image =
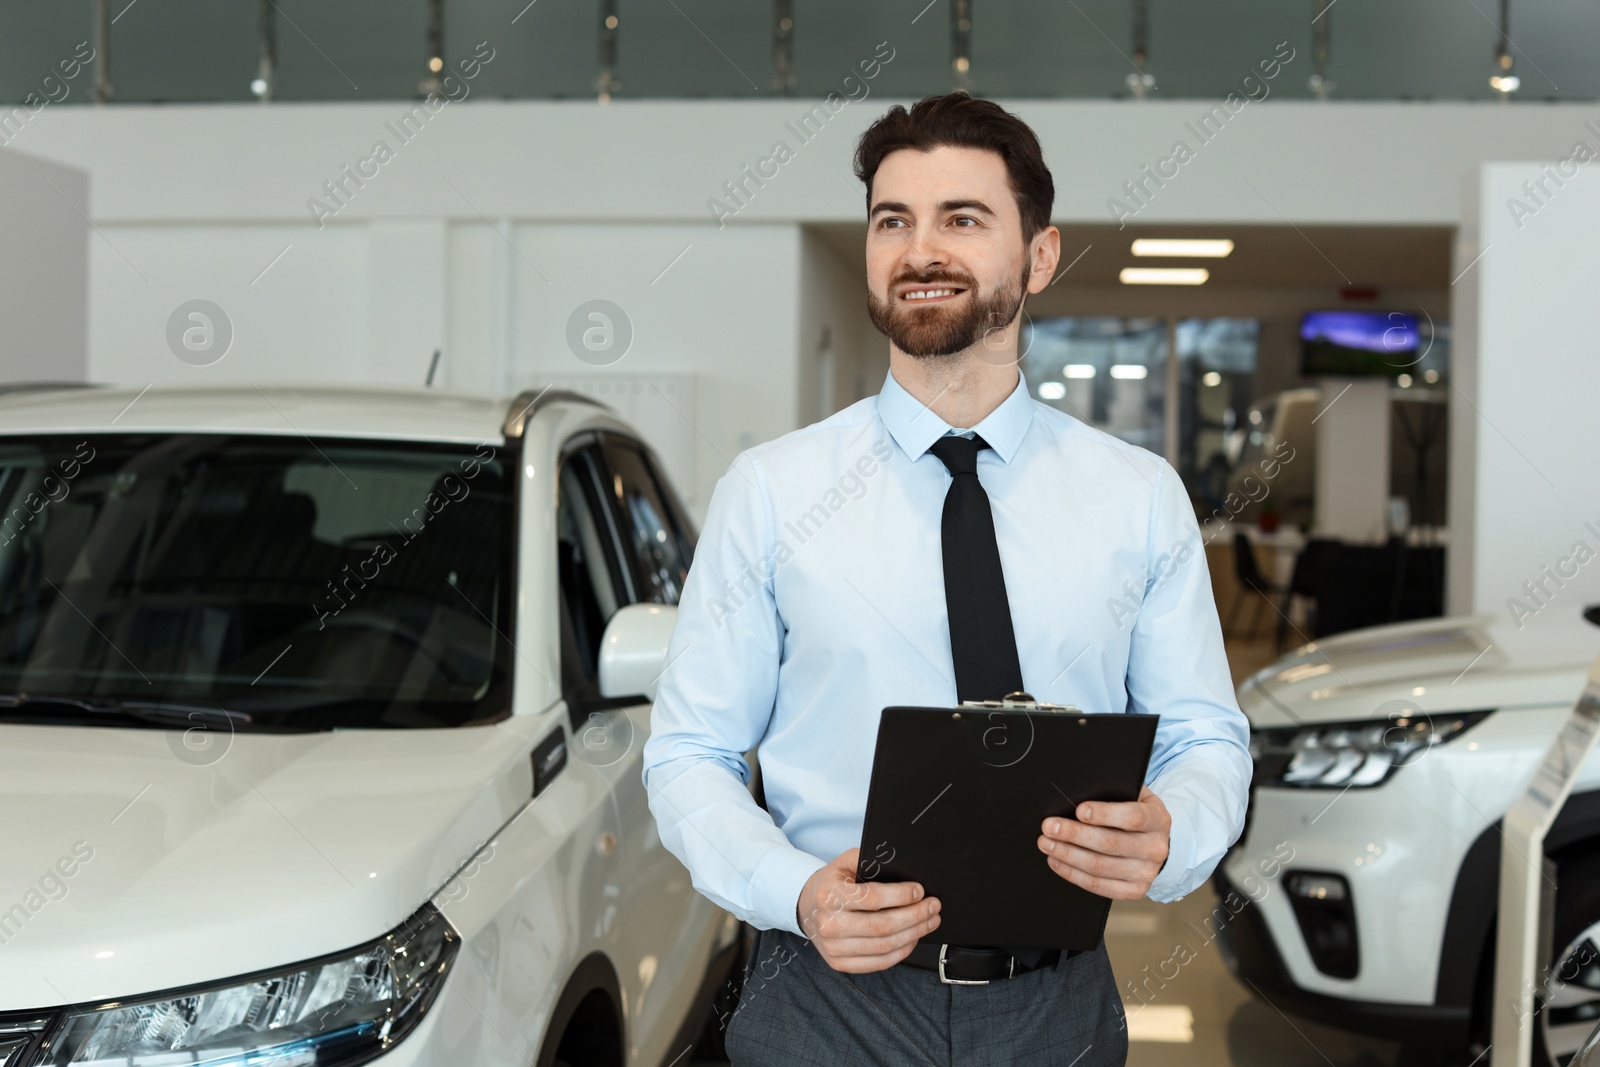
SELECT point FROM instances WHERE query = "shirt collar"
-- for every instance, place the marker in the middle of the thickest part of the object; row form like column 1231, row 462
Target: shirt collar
column 914, row 426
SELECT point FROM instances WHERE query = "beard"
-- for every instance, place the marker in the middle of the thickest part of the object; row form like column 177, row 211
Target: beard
column 940, row 330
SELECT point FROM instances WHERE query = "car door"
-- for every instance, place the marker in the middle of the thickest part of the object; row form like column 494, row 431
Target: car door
column 657, row 543
column 607, row 495
column 593, row 583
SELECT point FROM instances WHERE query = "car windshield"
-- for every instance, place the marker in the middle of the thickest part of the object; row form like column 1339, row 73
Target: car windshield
column 289, row 583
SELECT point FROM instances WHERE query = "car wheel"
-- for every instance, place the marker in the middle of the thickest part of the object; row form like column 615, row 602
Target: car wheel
column 1571, row 1006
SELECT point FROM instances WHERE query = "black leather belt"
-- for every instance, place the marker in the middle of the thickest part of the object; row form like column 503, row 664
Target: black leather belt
column 980, row 966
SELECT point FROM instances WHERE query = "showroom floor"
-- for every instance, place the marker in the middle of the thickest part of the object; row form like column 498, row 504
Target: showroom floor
column 1205, row 1017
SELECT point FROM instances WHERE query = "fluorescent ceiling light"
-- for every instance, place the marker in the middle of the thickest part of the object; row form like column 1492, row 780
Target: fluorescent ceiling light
column 1165, row 246
column 1164, row 275
column 1078, row 370
column 1129, row 370
column 1052, row 390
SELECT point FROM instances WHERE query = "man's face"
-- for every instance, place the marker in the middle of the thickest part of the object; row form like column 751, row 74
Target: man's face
column 946, row 263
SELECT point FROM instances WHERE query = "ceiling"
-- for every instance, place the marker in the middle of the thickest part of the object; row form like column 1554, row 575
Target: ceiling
column 205, row 50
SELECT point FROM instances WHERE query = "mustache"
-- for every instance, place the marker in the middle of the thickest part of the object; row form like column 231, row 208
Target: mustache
column 962, row 281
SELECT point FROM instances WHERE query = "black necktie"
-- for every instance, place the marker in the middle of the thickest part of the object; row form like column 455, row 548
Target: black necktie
column 982, row 642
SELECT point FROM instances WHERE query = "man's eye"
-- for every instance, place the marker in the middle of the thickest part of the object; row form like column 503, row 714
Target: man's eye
column 959, row 219
column 892, row 223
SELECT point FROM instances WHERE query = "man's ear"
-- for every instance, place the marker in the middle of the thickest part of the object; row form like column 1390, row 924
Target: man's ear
column 1046, row 251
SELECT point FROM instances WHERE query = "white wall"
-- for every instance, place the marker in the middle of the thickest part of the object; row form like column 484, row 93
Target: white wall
column 444, row 245
column 718, row 307
column 44, row 250
column 1525, row 481
column 842, row 356
column 370, row 301
column 648, row 161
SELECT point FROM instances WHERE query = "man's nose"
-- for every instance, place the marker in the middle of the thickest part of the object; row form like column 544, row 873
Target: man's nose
column 925, row 252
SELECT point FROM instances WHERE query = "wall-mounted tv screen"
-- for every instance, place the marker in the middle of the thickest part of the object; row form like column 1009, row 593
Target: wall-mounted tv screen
column 1357, row 343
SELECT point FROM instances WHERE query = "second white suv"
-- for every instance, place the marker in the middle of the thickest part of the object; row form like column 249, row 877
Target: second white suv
column 1385, row 760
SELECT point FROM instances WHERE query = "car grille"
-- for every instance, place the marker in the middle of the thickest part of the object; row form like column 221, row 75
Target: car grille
column 20, row 1034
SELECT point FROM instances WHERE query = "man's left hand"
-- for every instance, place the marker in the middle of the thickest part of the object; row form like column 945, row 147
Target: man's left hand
column 1114, row 850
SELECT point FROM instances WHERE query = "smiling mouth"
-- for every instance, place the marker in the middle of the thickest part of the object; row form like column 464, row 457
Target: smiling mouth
column 930, row 294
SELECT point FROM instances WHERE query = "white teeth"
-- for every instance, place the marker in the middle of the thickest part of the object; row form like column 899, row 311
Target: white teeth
column 924, row 294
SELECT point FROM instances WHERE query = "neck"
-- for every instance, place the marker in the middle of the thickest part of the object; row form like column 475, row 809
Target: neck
column 961, row 388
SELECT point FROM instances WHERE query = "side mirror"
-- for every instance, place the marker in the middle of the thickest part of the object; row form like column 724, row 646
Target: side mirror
column 633, row 650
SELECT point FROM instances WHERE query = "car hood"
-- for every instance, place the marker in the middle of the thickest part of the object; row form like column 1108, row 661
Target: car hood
column 1438, row 665
column 285, row 848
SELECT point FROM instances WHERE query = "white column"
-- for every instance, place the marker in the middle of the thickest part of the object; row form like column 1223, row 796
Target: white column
column 44, row 270
column 1353, row 459
column 1525, row 397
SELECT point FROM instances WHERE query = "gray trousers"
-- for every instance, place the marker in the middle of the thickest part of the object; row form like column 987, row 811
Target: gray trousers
column 796, row 1011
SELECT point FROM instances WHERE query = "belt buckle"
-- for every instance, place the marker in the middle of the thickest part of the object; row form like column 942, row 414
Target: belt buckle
column 1011, row 968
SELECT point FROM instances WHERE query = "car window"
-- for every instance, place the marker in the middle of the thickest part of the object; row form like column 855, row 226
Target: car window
column 687, row 534
column 592, row 583
column 305, row 585
column 658, row 548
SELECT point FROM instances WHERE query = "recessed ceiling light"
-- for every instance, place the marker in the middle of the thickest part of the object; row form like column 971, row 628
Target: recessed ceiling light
column 1212, row 378
column 1162, row 246
column 1134, row 371
column 1078, row 370
column 1164, row 275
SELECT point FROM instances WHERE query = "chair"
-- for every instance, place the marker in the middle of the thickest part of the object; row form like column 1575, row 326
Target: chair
column 1306, row 581
column 1251, row 580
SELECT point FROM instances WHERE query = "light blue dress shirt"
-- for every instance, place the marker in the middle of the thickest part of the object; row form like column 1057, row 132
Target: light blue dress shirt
column 816, row 599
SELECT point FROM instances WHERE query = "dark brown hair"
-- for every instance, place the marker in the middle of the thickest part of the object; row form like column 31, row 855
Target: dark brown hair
column 956, row 120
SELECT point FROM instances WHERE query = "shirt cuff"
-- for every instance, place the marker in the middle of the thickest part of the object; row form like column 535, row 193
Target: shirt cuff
column 1169, row 885
column 775, row 887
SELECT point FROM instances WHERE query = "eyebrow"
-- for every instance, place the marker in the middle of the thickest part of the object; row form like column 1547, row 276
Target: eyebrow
column 884, row 206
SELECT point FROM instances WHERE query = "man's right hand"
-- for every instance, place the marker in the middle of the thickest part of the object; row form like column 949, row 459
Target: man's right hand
column 860, row 927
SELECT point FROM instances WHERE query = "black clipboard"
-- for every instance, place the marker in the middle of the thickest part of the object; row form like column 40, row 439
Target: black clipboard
column 956, row 801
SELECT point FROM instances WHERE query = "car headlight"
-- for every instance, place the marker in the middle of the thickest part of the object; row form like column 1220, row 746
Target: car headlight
column 341, row 1010
column 1351, row 754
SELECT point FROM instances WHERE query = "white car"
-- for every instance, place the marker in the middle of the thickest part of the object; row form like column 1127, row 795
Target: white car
column 1385, row 759
column 320, row 724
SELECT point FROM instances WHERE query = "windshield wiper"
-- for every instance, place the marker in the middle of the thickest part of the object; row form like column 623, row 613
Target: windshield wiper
column 22, row 707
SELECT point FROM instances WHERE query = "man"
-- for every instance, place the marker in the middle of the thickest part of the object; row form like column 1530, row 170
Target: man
column 950, row 538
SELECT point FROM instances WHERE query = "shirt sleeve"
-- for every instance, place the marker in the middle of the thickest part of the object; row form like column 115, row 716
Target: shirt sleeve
column 1177, row 668
column 713, row 705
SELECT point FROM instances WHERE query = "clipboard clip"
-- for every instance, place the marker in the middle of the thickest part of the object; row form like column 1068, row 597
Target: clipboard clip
column 1018, row 701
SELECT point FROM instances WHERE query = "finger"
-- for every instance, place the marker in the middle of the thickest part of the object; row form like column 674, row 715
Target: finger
column 829, row 923
column 842, row 889
column 878, row 896
column 1135, row 815
column 880, row 946
column 1131, row 845
column 865, row 924
column 1111, row 888
column 869, row 964
column 848, row 860
column 1098, row 863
